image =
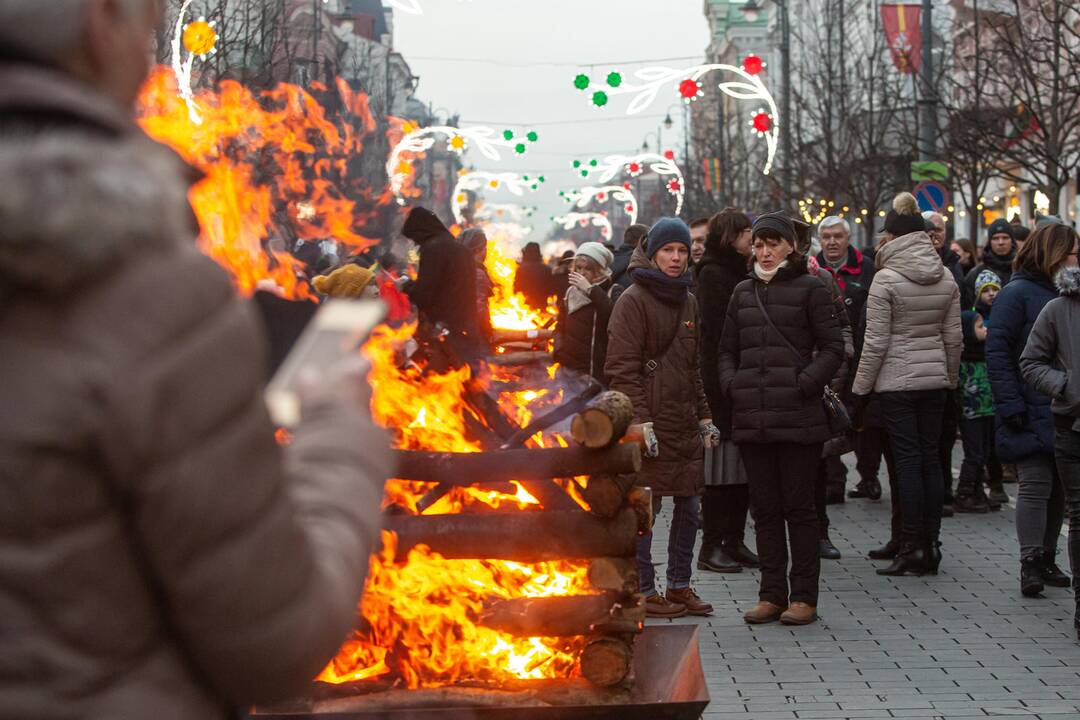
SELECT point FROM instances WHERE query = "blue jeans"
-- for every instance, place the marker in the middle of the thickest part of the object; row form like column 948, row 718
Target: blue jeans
column 681, row 539
column 913, row 421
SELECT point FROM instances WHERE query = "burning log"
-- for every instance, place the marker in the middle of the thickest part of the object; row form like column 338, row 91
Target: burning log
column 607, row 494
column 614, row 573
column 555, row 416
column 503, row 337
column 521, row 536
column 640, row 499
column 604, row 421
column 607, row 661
column 561, row 616
column 520, row 358
column 544, row 464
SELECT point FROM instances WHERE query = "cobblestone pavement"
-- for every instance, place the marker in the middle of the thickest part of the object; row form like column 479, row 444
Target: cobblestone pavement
column 963, row 644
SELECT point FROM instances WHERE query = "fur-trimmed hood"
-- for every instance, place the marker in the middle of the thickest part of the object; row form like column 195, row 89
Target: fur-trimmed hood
column 1067, row 281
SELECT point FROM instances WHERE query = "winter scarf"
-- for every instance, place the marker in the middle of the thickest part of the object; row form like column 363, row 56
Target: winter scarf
column 668, row 290
column 1000, row 264
column 767, row 275
column 1067, row 280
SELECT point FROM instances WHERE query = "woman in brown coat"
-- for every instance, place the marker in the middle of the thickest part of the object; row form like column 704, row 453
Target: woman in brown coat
column 653, row 358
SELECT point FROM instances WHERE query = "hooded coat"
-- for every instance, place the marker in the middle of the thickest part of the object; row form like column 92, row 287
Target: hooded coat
column 774, row 396
column 913, row 336
column 445, row 287
column 161, row 556
column 1051, row 359
column 534, row 278
column 652, row 357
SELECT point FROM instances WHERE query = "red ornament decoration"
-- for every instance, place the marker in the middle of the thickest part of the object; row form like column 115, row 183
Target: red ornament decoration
column 634, row 169
column 627, row 185
column 601, row 196
column 629, row 207
column 752, row 64
column 673, row 186
column 690, row 90
column 762, row 122
column 669, row 154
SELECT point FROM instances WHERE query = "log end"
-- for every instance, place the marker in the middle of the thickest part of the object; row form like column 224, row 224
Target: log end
column 607, row 662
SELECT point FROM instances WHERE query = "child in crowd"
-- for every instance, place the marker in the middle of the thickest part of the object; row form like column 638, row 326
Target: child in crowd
column 977, row 414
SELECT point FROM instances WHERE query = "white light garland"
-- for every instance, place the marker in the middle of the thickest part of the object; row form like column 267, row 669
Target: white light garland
column 584, row 219
column 634, row 165
column 514, row 232
column 582, row 197
column 503, row 212
column 480, row 180
column 182, row 68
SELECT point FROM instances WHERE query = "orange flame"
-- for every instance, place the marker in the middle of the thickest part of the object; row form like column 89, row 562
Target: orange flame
column 508, row 309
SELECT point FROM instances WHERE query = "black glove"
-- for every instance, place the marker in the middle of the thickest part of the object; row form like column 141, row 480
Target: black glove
column 1016, row 423
column 858, row 413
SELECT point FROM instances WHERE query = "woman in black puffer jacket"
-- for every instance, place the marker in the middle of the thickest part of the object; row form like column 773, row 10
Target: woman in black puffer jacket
column 778, row 419
column 727, row 495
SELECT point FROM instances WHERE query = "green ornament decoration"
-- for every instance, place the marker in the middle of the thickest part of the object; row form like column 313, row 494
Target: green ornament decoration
column 508, row 134
column 581, row 82
column 520, row 148
column 614, row 79
column 532, row 136
column 600, row 98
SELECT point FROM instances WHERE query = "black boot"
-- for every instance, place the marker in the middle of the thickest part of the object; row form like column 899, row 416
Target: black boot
column 741, row 554
column 910, row 560
column 970, row 500
column 888, row 551
column 1052, row 575
column 827, row 550
column 933, row 557
column 1031, row 581
column 714, row 559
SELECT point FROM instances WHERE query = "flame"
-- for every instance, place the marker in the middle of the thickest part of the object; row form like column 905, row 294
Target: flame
column 274, row 164
column 508, row 309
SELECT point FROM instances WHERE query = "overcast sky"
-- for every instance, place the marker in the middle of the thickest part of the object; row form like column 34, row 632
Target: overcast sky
column 511, row 64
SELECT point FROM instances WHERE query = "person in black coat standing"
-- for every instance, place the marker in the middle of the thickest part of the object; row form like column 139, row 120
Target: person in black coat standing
column 781, row 345
column 534, row 278
column 620, row 266
column 445, row 287
column 727, row 495
column 998, row 255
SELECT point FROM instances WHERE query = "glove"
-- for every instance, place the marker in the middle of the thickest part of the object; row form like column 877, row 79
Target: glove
column 709, row 434
column 1016, row 423
column 860, row 403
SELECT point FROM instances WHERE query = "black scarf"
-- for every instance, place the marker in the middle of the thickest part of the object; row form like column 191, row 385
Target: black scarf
column 668, row 290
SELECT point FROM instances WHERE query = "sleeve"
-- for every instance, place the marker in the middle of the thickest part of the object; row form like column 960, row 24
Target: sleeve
column 1003, row 347
column 712, row 309
column 877, row 337
column 423, row 291
column 259, row 556
column 967, row 287
column 828, row 340
column 625, row 364
column 728, row 358
column 952, row 335
column 1037, row 359
column 703, row 410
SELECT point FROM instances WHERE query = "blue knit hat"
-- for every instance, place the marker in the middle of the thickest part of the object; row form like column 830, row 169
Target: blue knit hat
column 665, row 232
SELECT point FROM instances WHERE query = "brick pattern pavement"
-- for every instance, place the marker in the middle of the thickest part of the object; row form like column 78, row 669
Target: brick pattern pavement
column 960, row 645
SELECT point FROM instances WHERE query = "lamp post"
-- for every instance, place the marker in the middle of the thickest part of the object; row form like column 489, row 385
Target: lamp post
column 750, row 11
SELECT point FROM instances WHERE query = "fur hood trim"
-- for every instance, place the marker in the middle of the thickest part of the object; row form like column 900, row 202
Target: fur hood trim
column 1067, row 281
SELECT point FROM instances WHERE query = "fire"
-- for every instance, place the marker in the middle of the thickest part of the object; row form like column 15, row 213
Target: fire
column 508, row 309
column 274, row 165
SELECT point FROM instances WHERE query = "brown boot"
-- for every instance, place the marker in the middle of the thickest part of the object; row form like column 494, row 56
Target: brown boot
column 689, row 598
column 799, row 613
column 764, row 612
column 658, row 606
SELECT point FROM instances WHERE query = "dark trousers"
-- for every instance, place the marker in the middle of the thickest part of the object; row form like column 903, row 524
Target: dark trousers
column 723, row 515
column 821, row 490
column 950, row 422
column 782, row 477
column 870, row 444
column 1067, row 455
column 977, row 435
column 914, row 427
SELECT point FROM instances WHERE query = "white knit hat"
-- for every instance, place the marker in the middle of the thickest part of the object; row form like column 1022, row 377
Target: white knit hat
column 598, row 253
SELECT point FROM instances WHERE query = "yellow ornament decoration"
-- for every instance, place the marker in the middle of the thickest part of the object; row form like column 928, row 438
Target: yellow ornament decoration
column 200, row 37
column 407, row 127
column 457, row 142
column 405, row 167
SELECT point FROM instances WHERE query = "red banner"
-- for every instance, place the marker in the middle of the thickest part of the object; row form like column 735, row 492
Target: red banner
column 904, row 35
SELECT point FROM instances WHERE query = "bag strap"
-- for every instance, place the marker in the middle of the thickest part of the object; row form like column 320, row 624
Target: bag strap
column 761, row 306
column 652, row 365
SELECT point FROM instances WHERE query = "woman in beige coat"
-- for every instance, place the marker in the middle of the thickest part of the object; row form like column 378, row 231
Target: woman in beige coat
column 911, row 357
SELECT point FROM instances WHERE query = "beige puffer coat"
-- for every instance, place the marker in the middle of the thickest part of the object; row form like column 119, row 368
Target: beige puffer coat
column 913, row 335
column 160, row 556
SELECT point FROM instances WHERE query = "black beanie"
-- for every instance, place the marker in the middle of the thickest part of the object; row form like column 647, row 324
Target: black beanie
column 779, row 223
column 904, row 218
column 1001, row 225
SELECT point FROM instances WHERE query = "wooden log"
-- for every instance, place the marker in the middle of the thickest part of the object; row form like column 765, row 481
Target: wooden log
column 606, row 494
column 644, row 436
column 522, row 464
column 555, row 416
column 640, row 499
column 604, row 421
column 443, row 697
column 607, row 661
column 558, row 616
column 614, row 573
column 502, row 337
column 520, row 358
column 519, row 536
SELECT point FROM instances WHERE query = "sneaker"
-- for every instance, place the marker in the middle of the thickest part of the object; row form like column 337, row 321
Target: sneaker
column 686, row 597
column 658, row 606
column 799, row 613
column 714, row 559
column 763, row 612
column 742, row 554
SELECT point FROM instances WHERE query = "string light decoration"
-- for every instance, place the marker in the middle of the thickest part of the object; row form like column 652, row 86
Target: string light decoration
column 634, row 165
column 581, row 198
column 584, row 219
column 478, row 180
column 814, row 211
column 416, row 141
column 495, row 213
column 199, row 38
column 688, row 85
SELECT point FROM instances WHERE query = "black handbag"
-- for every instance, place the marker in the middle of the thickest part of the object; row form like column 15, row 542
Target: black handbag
column 835, row 413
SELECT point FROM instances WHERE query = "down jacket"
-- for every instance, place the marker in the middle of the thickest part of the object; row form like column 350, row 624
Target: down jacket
column 1015, row 310
column 1051, row 359
column 717, row 277
column 644, row 330
column 913, row 335
column 775, row 397
column 161, row 557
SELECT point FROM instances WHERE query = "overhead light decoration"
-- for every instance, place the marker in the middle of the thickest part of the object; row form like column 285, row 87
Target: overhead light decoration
column 585, row 219
column 814, row 211
column 634, row 165
column 688, row 85
column 416, row 141
column 199, row 38
column 478, row 180
column 581, row 198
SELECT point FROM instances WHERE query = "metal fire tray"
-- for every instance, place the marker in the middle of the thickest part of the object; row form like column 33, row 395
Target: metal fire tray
column 669, row 685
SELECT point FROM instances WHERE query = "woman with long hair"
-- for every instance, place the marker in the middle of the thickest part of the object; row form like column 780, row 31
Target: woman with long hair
column 726, row 502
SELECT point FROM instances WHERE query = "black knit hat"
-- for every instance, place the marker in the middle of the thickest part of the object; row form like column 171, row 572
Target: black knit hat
column 904, row 217
column 999, row 226
column 779, row 223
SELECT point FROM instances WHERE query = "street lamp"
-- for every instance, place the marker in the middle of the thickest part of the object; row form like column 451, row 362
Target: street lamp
column 750, row 11
column 645, row 142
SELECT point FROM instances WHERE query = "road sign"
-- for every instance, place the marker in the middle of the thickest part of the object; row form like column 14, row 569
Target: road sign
column 932, row 196
column 931, row 170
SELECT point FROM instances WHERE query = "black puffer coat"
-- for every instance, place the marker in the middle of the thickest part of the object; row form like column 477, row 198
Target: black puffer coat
column 773, row 399
column 717, row 276
column 581, row 337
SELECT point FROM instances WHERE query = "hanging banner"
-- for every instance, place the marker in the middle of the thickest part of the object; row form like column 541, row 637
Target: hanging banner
column 904, row 35
column 711, row 166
